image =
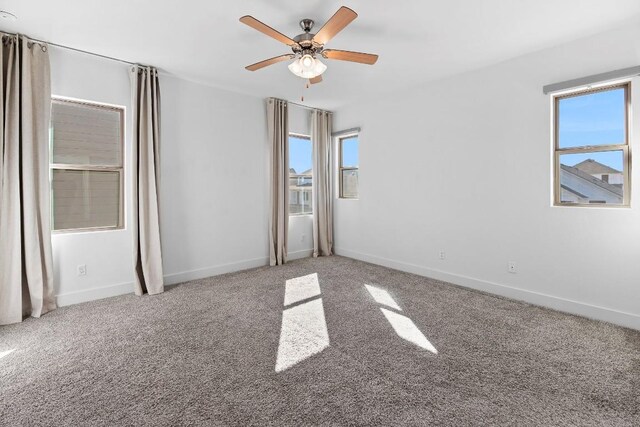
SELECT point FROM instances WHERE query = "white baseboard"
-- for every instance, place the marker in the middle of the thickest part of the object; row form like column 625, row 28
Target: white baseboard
column 305, row 253
column 93, row 294
column 201, row 273
column 628, row 320
column 170, row 279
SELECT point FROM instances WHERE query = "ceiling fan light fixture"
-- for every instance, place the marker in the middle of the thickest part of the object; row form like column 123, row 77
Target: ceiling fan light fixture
column 308, row 47
column 307, row 67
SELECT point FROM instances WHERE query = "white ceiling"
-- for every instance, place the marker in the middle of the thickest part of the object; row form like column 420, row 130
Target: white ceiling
column 417, row 40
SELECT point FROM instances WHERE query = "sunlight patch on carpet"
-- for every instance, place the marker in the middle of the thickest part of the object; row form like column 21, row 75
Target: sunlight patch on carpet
column 301, row 288
column 303, row 334
column 6, row 353
column 382, row 297
column 406, row 329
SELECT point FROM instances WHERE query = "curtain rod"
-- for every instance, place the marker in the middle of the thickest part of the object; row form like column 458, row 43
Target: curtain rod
column 72, row 48
column 86, row 52
column 301, row 105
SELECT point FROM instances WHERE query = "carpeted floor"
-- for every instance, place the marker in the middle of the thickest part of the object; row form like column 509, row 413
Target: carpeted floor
column 205, row 353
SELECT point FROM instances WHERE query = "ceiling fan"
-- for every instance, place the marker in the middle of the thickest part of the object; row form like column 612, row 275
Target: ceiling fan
column 307, row 47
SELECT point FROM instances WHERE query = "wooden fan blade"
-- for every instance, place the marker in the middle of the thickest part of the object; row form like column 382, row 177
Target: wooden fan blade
column 270, row 61
column 265, row 29
column 315, row 80
column 335, row 24
column 345, row 55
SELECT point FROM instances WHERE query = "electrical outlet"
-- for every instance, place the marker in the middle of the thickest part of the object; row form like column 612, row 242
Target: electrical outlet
column 82, row 270
column 512, row 268
column 442, row 255
column 303, row 237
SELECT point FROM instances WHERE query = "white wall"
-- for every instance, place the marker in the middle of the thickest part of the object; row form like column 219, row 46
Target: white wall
column 215, row 194
column 464, row 165
column 214, row 183
column 214, row 199
column 107, row 254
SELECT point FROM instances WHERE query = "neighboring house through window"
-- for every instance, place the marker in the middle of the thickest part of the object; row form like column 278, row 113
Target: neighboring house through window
column 348, row 165
column 86, row 166
column 591, row 147
column 300, row 175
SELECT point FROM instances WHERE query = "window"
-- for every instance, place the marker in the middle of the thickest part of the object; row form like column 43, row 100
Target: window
column 348, row 166
column 591, row 147
column 86, row 166
column 300, row 175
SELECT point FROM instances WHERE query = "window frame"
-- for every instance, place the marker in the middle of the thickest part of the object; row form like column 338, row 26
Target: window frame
column 624, row 147
column 89, row 168
column 307, row 137
column 341, row 137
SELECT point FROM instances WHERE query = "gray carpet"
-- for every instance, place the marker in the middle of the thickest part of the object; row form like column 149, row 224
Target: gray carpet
column 204, row 353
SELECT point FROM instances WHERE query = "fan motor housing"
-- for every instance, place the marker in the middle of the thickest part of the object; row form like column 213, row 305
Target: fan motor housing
column 305, row 40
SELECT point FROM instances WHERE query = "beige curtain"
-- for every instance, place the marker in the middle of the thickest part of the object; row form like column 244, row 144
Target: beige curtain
column 278, row 129
column 26, row 265
column 322, row 194
column 147, row 252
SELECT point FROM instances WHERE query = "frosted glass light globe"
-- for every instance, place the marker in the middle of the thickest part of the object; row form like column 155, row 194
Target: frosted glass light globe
column 307, row 62
column 307, row 67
